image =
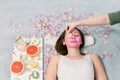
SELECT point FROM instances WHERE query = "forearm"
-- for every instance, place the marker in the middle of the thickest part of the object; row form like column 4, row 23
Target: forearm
column 94, row 21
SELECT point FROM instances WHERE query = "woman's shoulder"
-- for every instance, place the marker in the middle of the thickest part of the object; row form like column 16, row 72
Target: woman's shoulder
column 93, row 55
column 55, row 58
column 95, row 58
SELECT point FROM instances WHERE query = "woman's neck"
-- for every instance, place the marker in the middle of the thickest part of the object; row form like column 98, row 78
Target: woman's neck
column 73, row 52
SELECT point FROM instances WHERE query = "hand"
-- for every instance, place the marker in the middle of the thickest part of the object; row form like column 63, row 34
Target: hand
column 70, row 25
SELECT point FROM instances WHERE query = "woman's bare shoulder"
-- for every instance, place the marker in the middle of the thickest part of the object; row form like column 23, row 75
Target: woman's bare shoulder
column 95, row 58
column 55, row 57
column 93, row 55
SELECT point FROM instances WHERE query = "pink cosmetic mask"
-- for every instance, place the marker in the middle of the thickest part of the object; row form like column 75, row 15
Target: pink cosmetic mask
column 73, row 39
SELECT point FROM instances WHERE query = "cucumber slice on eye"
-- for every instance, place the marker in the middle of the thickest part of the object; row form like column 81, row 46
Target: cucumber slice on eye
column 69, row 35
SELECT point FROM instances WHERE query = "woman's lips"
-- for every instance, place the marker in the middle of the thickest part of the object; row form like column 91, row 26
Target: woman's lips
column 73, row 41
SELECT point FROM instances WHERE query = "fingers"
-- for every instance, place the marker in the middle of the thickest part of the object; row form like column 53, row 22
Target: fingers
column 69, row 26
column 67, row 29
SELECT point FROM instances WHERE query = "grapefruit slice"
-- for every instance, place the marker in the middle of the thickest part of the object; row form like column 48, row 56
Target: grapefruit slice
column 17, row 67
column 32, row 50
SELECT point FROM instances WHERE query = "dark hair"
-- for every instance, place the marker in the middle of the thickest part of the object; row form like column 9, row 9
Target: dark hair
column 62, row 49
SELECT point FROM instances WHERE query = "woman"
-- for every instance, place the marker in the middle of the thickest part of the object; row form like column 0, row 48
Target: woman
column 70, row 63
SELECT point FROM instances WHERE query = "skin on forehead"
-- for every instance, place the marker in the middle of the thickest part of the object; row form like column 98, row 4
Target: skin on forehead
column 73, row 30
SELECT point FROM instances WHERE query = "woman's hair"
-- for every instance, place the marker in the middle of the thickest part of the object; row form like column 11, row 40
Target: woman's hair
column 62, row 49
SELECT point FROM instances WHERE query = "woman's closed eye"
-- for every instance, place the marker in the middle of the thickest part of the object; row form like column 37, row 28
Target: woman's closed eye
column 76, row 34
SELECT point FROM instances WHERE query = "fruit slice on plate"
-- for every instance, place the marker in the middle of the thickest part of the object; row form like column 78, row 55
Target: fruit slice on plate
column 32, row 50
column 33, row 64
column 35, row 74
column 17, row 67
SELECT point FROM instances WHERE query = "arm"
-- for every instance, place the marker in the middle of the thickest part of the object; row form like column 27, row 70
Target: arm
column 93, row 21
column 52, row 68
column 100, row 73
column 110, row 18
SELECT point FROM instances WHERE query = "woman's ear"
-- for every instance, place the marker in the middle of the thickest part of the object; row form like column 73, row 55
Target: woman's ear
column 63, row 42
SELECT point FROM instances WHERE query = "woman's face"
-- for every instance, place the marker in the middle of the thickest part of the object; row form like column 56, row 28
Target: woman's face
column 73, row 38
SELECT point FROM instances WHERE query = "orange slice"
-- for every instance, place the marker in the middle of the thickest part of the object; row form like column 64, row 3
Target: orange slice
column 32, row 50
column 17, row 67
column 33, row 64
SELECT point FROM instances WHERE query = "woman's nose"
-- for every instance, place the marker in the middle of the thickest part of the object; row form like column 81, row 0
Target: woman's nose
column 73, row 36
